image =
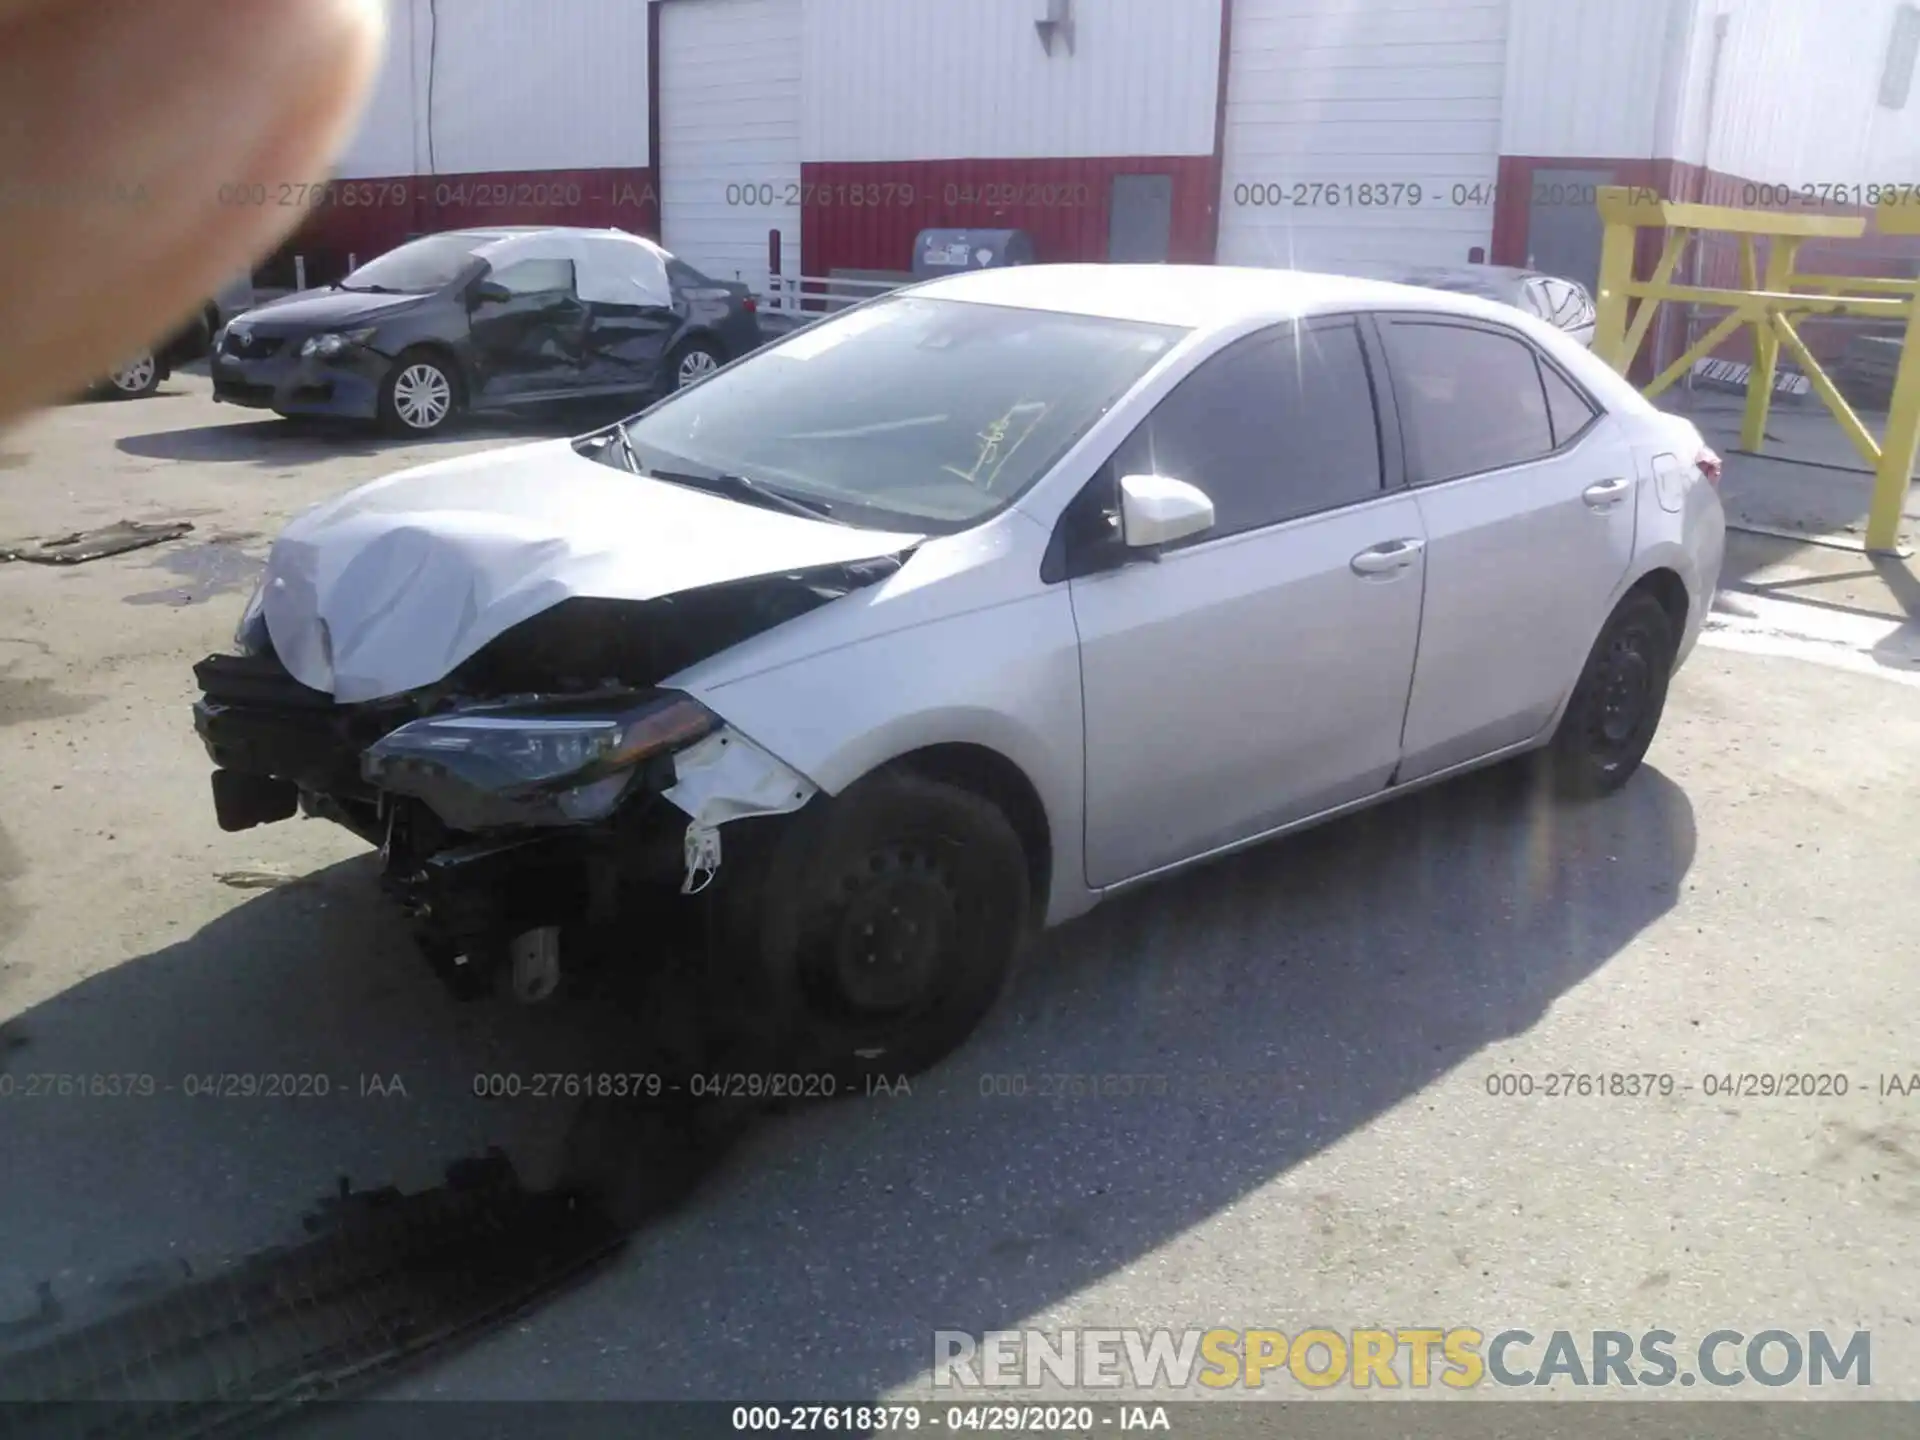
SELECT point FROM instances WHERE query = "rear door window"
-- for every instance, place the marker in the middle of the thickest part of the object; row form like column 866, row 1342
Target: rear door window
column 1471, row 397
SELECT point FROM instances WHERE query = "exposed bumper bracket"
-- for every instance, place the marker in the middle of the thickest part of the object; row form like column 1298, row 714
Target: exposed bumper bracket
column 728, row 777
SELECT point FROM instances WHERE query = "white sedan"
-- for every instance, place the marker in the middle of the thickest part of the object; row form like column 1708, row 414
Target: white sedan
column 934, row 624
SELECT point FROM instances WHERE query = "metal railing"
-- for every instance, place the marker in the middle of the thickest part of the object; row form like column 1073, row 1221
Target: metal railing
column 811, row 296
column 1773, row 300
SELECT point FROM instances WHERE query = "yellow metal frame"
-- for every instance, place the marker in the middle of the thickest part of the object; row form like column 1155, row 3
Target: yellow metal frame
column 1769, row 300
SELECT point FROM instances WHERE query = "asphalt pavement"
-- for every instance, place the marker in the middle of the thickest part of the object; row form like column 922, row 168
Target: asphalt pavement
column 1305, row 1054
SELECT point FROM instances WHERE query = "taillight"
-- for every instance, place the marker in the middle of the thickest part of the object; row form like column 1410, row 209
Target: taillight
column 752, row 306
column 1709, row 464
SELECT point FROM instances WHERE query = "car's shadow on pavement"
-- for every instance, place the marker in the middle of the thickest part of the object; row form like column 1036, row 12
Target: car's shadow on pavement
column 280, row 442
column 1238, row 1020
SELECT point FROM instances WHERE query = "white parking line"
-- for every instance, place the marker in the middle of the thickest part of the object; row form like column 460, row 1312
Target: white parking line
column 1840, row 638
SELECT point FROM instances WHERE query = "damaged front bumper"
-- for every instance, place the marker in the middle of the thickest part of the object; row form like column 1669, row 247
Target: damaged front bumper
column 290, row 383
column 494, row 819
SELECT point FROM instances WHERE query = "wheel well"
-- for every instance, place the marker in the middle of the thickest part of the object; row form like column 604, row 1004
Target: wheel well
column 996, row 779
column 445, row 355
column 1671, row 591
column 702, row 337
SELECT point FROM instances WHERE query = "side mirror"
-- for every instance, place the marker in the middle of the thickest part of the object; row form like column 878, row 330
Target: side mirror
column 1157, row 510
column 491, row 292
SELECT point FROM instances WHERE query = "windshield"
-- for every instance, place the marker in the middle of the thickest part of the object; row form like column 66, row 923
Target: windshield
column 908, row 412
column 419, row 267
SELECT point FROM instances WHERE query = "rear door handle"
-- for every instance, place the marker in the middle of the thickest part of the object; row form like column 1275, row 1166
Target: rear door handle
column 1605, row 493
column 1387, row 556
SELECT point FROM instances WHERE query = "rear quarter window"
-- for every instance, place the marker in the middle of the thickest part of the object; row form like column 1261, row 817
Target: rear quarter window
column 1569, row 410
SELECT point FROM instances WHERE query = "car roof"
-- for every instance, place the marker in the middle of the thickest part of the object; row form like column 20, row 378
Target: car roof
column 1378, row 268
column 1196, row 297
column 501, row 232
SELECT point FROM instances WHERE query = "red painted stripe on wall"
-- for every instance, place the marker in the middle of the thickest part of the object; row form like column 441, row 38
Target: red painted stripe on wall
column 863, row 215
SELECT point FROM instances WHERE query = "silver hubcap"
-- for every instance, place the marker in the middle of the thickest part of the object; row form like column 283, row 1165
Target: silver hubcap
column 136, row 375
column 696, row 363
column 422, row 396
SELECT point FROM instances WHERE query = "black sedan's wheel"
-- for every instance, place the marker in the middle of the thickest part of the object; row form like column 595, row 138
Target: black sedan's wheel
column 695, row 360
column 1617, row 702
column 883, row 931
column 420, row 394
column 140, row 376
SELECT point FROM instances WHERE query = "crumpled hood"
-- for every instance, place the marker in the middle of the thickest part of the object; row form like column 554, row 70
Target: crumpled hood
column 392, row 586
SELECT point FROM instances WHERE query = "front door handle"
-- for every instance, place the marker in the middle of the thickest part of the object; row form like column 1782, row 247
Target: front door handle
column 1387, row 556
column 1605, row 493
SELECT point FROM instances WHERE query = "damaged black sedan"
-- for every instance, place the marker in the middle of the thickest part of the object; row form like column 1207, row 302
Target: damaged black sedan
column 487, row 319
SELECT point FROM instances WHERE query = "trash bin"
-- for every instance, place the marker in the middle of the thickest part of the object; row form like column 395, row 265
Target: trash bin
column 947, row 252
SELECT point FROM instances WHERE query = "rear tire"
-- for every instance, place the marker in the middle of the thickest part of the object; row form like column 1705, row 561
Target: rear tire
column 1617, row 702
column 878, row 932
column 419, row 395
column 691, row 361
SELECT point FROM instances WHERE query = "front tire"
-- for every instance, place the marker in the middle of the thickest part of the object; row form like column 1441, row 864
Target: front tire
column 1617, row 702
column 879, row 933
column 136, row 379
column 419, row 395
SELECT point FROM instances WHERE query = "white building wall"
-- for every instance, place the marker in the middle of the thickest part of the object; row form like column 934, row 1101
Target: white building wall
column 539, row 85
column 1794, row 100
column 507, row 85
column 1585, row 80
column 386, row 142
column 1388, row 94
column 1705, row 78
column 1797, row 102
column 889, row 80
column 730, row 102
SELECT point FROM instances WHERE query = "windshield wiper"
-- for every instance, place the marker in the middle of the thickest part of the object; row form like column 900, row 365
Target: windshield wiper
column 739, row 487
column 627, row 454
column 367, row 289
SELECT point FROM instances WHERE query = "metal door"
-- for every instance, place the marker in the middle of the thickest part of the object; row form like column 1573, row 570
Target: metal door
column 1140, row 219
column 1563, row 224
column 534, row 339
column 1526, row 542
column 1240, row 685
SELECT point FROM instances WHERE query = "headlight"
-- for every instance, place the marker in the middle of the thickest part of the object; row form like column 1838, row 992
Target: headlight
column 491, row 766
column 250, row 635
column 333, row 342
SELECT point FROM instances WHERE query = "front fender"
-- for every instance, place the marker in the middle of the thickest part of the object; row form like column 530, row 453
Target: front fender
column 397, row 334
column 1006, row 678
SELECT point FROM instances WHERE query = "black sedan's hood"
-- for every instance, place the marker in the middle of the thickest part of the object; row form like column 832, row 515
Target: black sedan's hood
column 328, row 309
